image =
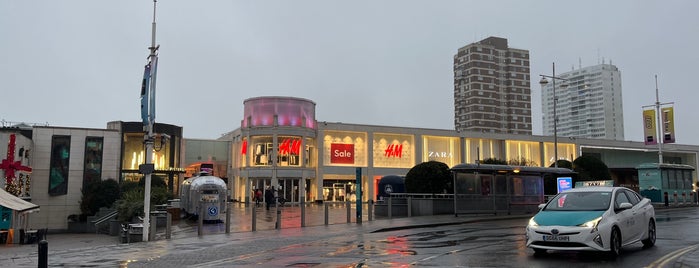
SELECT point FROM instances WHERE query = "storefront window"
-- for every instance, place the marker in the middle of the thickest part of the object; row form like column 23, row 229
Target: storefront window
column 481, row 149
column 394, row 150
column 261, row 154
column 566, row 151
column 441, row 149
column 134, row 152
column 310, row 153
column 288, row 152
column 523, row 153
column 343, row 148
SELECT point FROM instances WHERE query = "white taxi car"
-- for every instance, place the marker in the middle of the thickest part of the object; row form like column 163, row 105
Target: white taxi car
column 592, row 219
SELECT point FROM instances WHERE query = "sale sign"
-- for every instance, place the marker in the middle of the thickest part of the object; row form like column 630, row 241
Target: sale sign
column 341, row 153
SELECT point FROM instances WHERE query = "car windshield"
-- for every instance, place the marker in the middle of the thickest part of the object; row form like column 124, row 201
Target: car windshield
column 578, row 201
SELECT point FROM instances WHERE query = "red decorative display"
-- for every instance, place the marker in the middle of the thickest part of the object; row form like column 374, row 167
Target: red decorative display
column 244, row 149
column 341, row 153
column 394, row 150
column 9, row 165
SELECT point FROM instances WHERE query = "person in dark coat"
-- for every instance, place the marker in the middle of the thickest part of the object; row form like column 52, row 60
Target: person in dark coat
column 269, row 197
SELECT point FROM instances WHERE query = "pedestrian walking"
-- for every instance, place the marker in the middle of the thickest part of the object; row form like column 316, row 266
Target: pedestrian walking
column 258, row 197
column 269, row 197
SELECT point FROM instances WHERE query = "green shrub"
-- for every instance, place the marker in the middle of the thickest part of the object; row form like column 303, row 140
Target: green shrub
column 429, row 177
column 131, row 203
column 98, row 194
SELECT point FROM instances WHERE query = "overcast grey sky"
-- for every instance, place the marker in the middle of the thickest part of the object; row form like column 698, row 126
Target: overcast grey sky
column 80, row 63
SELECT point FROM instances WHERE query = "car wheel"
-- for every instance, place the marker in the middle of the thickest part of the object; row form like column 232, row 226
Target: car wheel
column 614, row 243
column 650, row 241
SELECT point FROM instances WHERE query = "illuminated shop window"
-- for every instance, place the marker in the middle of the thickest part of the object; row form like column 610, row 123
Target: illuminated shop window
column 344, row 148
column 523, row 153
column 288, row 151
column 134, row 152
column 481, row 149
column 441, row 149
column 393, row 150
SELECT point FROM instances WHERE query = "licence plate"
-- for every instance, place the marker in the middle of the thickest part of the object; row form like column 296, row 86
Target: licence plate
column 557, row 238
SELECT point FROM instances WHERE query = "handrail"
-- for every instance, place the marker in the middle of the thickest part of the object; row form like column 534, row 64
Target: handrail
column 105, row 218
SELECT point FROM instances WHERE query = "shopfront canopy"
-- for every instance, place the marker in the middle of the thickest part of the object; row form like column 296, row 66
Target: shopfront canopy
column 15, row 203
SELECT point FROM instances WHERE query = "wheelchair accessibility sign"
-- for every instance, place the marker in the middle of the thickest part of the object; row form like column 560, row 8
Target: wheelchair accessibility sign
column 213, row 211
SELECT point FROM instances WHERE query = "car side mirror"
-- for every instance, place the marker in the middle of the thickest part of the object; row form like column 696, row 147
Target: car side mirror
column 624, row 206
column 541, row 206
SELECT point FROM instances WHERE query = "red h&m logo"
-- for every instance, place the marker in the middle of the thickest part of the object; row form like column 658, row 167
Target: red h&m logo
column 341, row 153
column 289, row 146
column 394, row 150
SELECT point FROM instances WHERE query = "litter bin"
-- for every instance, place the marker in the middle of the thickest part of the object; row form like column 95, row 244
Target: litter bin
column 135, row 232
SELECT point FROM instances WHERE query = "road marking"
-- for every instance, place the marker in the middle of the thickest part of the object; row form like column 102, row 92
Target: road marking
column 670, row 257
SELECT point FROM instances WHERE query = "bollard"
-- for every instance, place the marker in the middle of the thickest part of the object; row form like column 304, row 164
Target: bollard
column 691, row 198
column 200, row 225
column 278, row 225
column 684, row 198
column 303, row 213
column 168, row 226
column 370, row 209
column 152, row 228
column 254, row 218
column 667, row 202
column 228, row 217
column 349, row 211
column 410, row 206
column 674, row 197
column 326, row 213
column 43, row 254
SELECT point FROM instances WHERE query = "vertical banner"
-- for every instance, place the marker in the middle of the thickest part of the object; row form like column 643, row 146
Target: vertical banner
column 668, row 125
column 649, row 130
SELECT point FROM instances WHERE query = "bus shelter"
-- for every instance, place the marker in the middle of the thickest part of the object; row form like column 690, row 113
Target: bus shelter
column 485, row 188
column 674, row 181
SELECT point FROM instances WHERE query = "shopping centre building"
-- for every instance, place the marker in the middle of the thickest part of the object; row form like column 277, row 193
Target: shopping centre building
column 280, row 143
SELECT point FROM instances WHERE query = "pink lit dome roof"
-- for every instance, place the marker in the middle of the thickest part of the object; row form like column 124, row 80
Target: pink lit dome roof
column 289, row 111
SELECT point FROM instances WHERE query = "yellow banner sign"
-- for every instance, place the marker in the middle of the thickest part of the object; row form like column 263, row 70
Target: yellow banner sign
column 649, row 131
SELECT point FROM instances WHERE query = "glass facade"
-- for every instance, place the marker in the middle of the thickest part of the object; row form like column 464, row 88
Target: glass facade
column 60, row 163
column 93, row 159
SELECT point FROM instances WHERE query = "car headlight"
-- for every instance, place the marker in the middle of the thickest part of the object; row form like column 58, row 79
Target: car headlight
column 592, row 223
column 533, row 223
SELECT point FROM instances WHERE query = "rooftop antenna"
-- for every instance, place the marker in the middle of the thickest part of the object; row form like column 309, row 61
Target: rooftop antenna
column 148, row 116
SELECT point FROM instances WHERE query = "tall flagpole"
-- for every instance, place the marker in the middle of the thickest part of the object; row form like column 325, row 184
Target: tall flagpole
column 153, row 58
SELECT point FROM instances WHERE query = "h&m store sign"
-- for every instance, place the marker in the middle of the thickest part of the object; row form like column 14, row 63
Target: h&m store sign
column 342, row 153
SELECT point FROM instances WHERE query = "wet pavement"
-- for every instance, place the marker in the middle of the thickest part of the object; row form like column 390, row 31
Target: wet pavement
column 240, row 247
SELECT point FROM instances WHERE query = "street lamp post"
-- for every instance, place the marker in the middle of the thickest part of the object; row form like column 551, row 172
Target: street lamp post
column 543, row 83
